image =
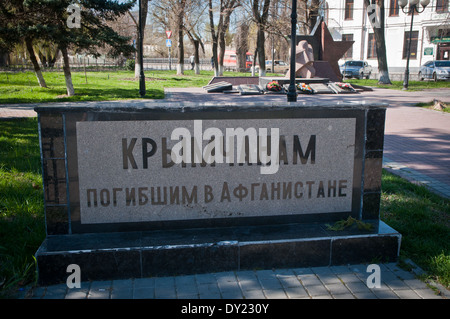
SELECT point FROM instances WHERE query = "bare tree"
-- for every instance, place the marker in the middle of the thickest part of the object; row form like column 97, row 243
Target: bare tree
column 144, row 9
column 171, row 15
column 260, row 16
column 180, row 10
column 226, row 8
column 192, row 20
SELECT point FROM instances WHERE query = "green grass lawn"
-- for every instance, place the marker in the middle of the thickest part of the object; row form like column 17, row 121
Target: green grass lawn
column 421, row 217
column 429, row 105
column 21, row 202
column 22, row 87
column 398, row 85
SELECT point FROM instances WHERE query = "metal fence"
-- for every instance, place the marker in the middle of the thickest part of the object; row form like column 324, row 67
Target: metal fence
column 102, row 64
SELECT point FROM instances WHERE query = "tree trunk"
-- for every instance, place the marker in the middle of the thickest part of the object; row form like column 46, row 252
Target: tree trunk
column 261, row 52
column 180, row 16
column 196, row 56
column 255, row 56
column 67, row 74
column 214, row 40
column 383, row 72
column 261, row 20
column 180, row 64
column 378, row 30
column 215, row 59
column 221, row 52
column 37, row 69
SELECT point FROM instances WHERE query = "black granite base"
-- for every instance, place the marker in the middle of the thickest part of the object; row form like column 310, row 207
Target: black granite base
column 162, row 253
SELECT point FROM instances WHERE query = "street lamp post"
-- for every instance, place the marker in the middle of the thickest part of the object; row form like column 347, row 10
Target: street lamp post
column 292, row 91
column 141, row 55
column 411, row 9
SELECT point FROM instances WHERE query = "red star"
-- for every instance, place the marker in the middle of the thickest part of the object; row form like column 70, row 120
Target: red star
column 332, row 51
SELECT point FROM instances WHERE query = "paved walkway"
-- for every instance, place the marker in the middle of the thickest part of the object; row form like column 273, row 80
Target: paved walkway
column 341, row 282
column 417, row 147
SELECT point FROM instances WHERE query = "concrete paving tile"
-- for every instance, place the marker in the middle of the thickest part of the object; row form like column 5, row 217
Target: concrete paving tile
column 350, row 277
column 317, row 290
column 323, row 297
column 253, row 294
column 186, row 286
column 309, row 280
column 329, row 278
column 365, row 295
column 228, row 286
column 275, row 294
column 427, row 294
column 340, row 270
column 100, row 293
column 397, row 285
column 144, row 282
column 209, row 291
column 123, row 283
column 337, row 288
column 289, row 281
column 296, row 292
column 416, row 284
column 78, row 293
column 344, row 296
column 384, row 294
column 356, row 286
column 407, row 294
column 205, row 278
column 123, row 293
column 144, row 293
column 302, row 271
column 165, row 288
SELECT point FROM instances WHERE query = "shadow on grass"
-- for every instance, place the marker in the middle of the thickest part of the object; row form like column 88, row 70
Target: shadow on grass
column 19, row 145
column 86, row 94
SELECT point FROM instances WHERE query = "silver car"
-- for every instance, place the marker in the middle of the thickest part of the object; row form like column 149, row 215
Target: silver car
column 356, row 69
column 436, row 70
column 280, row 66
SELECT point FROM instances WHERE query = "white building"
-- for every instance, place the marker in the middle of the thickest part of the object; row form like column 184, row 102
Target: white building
column 348, row 20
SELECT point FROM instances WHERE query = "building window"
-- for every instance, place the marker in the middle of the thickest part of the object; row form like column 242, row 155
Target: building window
column 414, row 41
column 371, row 47
column 442, row 6
column 393, row 8
column 349, row 53
column 348, row 9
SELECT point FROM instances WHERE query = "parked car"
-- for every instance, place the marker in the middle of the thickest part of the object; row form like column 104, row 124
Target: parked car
column 356, row 69
column 280, row 66
column 436, row 70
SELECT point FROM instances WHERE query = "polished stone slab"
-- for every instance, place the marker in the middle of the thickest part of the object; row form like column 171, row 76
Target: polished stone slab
column 193, row 251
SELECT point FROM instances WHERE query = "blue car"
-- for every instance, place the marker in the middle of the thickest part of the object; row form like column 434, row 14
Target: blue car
column 356, row 69
column 435, row 70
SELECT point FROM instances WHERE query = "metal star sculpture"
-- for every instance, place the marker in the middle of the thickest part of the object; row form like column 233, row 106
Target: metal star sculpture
column 324, row 47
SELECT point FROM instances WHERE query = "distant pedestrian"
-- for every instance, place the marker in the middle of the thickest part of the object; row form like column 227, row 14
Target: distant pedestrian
column 192, row 60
